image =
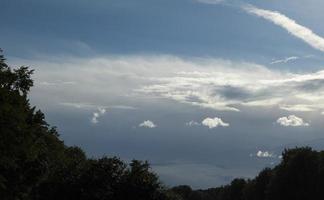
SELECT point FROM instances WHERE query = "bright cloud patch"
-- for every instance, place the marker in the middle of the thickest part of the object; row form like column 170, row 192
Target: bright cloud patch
column 213, row 122
column 292, row 120
column 97, row 114
column 222, row 85
column 147, row 124
column 264, row 154
column 208, row 83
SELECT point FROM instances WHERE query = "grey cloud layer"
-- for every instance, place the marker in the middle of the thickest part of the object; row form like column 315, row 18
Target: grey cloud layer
column 221, row 85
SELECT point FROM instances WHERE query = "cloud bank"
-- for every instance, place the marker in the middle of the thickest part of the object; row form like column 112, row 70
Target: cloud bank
column 215, row 84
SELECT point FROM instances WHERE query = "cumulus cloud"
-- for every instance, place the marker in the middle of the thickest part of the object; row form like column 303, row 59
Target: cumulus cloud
column 291, row 120
column 147, row 124
column 97, row 114
column 213, row 122
column 290, row 25
column 264, row 154
column 285, row 60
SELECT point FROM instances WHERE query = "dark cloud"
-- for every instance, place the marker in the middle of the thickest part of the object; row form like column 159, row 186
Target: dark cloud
column 232, row 92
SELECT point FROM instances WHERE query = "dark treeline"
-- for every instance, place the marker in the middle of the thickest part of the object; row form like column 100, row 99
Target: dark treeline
column 36, row 164
column 299, row 176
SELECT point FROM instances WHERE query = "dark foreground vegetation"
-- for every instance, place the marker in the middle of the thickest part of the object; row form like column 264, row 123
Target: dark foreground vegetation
column 36, row 164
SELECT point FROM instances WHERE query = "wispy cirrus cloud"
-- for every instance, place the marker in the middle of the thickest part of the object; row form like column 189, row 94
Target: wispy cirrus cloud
column 285, row 60
column 298, row 108
column 211, row 1
column 295, row 29
column 193, row 123
column 99, row 109
column 91, row 106
column 57, row 83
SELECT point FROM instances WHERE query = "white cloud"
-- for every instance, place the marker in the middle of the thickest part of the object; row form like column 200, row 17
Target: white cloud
column 285, row 60
column 79, row 105
column 264, row 154
column 97, row 114
column 298, row 108
column 263, row 102
column 214, row 122
column 291, row 120
column 91, row 106
column 94, row 118
column 207, row 83
column 290, row 25
column 147, row 124
column 193, row 123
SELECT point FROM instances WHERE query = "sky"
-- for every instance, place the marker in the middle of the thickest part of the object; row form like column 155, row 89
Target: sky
column 205, row 90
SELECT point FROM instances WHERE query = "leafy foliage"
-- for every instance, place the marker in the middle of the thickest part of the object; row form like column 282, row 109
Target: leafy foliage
column 298, row 176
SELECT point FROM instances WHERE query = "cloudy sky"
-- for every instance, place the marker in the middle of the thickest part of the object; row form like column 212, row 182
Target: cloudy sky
column 205, row 90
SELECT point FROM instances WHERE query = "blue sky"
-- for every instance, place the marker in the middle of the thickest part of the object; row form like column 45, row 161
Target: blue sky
column 206, row 87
